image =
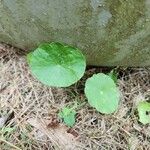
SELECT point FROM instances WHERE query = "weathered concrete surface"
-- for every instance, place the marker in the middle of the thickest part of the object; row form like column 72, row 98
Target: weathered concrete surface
column 110, row 32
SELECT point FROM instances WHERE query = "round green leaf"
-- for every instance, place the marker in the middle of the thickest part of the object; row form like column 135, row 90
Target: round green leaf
column 68, row 115
column 57, row 64
column 102, row 93
column 144, row 107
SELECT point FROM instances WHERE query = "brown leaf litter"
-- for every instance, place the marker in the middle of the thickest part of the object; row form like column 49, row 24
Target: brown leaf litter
column 58, row 135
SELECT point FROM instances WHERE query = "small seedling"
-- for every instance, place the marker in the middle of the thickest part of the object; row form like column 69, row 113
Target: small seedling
column 144, row 110
column 57, row 64
column 102, row 93
column 7, row 130
column 68, row 116
column 113, row 75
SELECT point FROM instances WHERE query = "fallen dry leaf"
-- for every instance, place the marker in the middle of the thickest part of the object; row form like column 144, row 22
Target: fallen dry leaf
column 58, row 135
column 73, row 132
column 53, row 123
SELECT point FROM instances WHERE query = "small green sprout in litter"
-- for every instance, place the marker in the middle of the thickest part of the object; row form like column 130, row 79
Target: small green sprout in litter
column 68, row 116
column 5, row 130
column 113, row 75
